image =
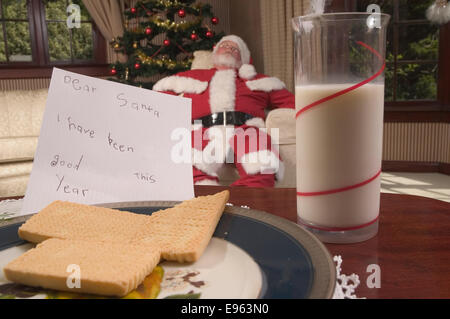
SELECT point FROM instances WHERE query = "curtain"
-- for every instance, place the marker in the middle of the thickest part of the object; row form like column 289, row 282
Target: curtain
column 108, row 16
column 277, row 37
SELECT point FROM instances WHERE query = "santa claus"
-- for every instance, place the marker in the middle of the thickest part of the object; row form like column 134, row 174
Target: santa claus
column 228, row 108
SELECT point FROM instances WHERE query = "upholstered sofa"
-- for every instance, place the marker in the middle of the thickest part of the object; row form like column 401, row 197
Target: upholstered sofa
column 21, row 114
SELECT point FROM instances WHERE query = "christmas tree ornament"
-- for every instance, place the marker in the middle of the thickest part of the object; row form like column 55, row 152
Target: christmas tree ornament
column 209, row 34
column 181, row 13
column 127, row 72
column 215, row 20
column 194, row 36
column 137, row 65
column 113, row 71
column 135, row 45
column 148, row 31
column 133, row 10
column 166, row 42
column 439, row 12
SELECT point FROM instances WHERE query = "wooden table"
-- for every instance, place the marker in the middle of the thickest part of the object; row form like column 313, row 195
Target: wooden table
column 412, row 247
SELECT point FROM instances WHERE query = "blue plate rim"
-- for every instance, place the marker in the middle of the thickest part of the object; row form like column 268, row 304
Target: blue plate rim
column 324, row 282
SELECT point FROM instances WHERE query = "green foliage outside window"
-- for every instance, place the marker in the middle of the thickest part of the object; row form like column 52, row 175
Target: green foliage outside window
column 416, row 62
column 17, row 32
column 64, row 44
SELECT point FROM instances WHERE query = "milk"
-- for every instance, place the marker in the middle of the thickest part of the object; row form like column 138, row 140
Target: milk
column 339, row 144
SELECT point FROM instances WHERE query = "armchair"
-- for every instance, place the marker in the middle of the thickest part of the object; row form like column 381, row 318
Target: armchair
column 283, row 119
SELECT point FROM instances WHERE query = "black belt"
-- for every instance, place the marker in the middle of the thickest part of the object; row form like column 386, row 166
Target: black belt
column 231, row 118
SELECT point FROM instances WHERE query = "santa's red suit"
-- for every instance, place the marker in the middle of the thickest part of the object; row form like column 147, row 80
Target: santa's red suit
column 216, row 91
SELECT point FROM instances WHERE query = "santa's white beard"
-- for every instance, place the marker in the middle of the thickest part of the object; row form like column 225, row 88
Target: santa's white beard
column 226, row 60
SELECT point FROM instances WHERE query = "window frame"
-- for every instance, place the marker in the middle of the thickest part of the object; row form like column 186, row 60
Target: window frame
column 417, row 110
column 39, row 67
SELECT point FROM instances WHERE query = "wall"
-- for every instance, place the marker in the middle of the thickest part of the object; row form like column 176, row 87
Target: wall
column 245, row 22
column 221, row 8
column 24, row 84
column 417, row 142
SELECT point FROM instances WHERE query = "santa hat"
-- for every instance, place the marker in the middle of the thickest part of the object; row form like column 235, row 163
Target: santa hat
column 245, row 52
column 247, row 70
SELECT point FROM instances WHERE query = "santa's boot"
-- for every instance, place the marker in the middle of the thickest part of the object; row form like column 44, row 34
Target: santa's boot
column 257, row 162
column 201, row 178
column 256, row 180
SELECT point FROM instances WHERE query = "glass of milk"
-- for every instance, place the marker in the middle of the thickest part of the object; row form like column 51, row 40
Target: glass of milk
column 339, row 79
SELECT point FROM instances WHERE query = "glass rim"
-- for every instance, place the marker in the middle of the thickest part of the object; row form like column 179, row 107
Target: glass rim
column 352, row 16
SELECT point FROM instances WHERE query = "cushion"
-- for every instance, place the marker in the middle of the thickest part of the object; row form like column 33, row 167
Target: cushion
column 202, row 60
column 14, row 178
column 284, row 120
column 14, row 186
column 17, row 148
column 8, row 170
column 21, row 112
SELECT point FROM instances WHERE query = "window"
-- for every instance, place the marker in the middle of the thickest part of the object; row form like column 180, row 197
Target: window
column 64, row 43
column 416, row 57
column 412, row 51
column 35, row 34
column 15, row 38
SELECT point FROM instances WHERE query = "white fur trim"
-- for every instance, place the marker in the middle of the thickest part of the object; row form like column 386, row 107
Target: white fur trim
column 264, row 162
column 265, row 84
column 180, row 84
column 247, row 71
column 222, row 91
column 243, row 48
column 217, row 152
column 256, row 121
column 199, row 163
column 207, row 181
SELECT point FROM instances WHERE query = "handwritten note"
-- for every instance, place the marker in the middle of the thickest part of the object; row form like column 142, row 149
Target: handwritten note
column 103, row 141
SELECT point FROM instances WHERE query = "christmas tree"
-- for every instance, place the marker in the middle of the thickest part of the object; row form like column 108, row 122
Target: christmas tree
column 160, row 38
